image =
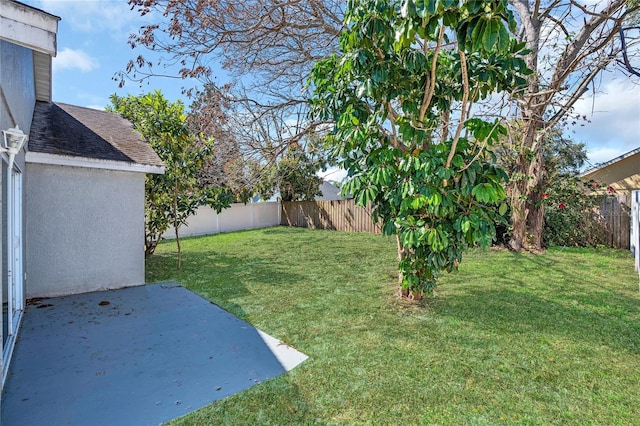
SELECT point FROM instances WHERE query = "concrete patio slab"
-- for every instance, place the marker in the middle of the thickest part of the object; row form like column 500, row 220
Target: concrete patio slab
column 135, row 356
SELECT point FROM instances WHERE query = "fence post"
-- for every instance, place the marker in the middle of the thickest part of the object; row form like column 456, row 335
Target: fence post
column 279, row 200
column 635, row 230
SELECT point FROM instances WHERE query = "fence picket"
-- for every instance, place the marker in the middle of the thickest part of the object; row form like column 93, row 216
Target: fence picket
column 616, row 215
column 339, row 215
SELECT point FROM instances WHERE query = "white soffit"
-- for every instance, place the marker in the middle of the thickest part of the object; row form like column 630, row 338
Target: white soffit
column 42, row 72
column 91, row 163
column 29, row 27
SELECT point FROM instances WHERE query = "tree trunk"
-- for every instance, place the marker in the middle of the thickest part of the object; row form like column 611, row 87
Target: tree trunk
column 175, row 227
column 526, row 219
column 176, row 223
column 406, row 293
column 149, row 249
column 527, row 210
column 535, row 220
column 400, row 256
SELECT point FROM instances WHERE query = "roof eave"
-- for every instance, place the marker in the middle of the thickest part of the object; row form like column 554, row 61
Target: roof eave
column 36, row 30
column 29, row 27
column 92, row 163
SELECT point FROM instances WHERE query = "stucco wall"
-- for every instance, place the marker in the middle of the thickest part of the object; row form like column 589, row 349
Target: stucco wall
column 84, row 229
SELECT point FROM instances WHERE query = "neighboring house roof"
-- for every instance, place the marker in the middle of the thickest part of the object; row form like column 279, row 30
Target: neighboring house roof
column 622, row 173
column 329, row 192
column 67, row 134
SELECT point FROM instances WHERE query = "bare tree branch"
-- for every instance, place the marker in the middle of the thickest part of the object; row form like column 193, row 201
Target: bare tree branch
column 625, row 55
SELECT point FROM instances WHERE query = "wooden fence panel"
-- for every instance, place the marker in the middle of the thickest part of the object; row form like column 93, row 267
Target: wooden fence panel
column 344, row 215
column 616, row 214
column 339, row 215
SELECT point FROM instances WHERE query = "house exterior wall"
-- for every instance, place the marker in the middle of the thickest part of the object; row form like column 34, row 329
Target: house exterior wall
column 84, row 243
column 18, row 90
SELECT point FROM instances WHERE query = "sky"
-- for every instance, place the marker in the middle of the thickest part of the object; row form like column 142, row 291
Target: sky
column 92, row 48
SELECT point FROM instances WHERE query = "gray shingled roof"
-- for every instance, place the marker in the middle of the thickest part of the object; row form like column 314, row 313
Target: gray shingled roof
column 75, row 131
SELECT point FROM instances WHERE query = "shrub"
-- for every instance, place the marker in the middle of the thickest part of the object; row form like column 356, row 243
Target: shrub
column 571, row 214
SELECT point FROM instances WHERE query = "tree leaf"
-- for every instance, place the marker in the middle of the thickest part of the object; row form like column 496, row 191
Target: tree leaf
column 491, row 35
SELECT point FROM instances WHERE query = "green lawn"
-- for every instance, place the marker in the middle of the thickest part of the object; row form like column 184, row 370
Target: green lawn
column 510, row 338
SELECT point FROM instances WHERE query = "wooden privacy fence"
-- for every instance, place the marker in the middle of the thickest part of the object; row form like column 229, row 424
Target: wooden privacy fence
column 616, row 215
column 339, row 215
column 344, row 215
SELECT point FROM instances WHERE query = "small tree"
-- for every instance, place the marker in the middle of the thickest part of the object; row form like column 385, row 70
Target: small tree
column 401, row 94
column 294, row 175
column 172, row 197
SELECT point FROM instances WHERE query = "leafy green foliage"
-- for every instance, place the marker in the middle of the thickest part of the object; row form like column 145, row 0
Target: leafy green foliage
column 570, row 208
column 571, row 217
column 294, row 175
column 172, row 197
column 407, row 71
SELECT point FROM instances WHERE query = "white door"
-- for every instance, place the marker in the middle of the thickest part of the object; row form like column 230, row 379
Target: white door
column 13, row 288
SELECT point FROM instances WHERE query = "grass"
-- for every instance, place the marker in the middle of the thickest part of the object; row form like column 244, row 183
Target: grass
column 508, row 339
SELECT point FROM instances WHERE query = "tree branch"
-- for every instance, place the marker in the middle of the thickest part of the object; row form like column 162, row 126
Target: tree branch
column 463, row 109
column 625, row 56
column 430, row 85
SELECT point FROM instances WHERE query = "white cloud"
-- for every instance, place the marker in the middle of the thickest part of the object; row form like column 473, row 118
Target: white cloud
column 614, row 120
column 603, row 154
column 334, row 174
column 70, row 59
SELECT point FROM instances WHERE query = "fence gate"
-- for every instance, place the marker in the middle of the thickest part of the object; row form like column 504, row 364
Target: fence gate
column 616, row 213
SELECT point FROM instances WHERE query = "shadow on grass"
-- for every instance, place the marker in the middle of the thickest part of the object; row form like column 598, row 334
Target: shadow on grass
column 583, row 318
column 220, row 278
column 283, row 230
column 277, row 398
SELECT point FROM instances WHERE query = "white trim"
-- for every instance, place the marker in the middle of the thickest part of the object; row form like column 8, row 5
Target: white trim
column 28, row 27
column 15, row 267
column 91, row 163
column 7, row 352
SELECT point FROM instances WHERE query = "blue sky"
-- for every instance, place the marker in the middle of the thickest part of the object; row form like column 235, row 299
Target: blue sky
column 92, row 47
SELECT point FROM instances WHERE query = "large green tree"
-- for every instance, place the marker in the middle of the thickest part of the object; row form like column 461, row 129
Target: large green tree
column 172, row 197
column 569, row 44
column 400, row 93
column 272, row 44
